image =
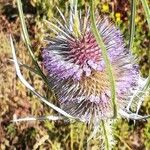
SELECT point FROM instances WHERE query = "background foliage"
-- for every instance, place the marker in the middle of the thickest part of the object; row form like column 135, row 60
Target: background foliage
column 16, row 99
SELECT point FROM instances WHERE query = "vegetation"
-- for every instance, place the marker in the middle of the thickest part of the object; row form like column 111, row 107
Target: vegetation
column 16, row 100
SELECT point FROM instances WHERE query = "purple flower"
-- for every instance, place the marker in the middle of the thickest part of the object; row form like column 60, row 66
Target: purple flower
column 77, row 69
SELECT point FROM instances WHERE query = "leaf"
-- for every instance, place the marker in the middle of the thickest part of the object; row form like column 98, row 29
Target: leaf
column 106, row 59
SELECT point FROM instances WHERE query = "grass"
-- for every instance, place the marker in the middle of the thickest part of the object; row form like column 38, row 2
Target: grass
column 16, row 99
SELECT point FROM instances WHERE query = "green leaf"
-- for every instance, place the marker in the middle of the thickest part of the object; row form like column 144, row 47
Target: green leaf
column 28, row 44
column 147, row 11
column 132, row 24
column 106, row 59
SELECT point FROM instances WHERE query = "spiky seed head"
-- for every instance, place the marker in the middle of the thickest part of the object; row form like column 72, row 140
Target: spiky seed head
column 77, row 69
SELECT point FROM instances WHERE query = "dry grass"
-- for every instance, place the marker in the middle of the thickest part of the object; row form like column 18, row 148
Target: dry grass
column 16, row 99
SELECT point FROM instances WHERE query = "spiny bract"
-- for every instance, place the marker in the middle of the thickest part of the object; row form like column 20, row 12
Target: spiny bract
column 77, row 69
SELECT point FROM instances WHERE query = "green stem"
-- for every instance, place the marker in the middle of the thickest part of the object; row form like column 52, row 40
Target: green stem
column 147, row 11
column 28, row 43
column 71, row 136
column 105, row 56
column 82, row 136
column 24, row 29
column 107, row 146
column 132, row 23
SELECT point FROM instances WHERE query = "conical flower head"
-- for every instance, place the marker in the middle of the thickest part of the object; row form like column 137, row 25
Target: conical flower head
column 77, row 69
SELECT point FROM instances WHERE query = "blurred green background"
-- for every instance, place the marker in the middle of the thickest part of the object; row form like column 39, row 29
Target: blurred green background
column 16, row 99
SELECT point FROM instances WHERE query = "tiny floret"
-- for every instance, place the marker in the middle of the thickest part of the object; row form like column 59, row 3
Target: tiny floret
column 75, row 65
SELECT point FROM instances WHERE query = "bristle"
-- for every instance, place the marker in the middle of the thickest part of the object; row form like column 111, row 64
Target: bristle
column 77, row 69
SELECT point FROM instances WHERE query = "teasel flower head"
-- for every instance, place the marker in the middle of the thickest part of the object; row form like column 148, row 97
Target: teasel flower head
column 77, row 71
